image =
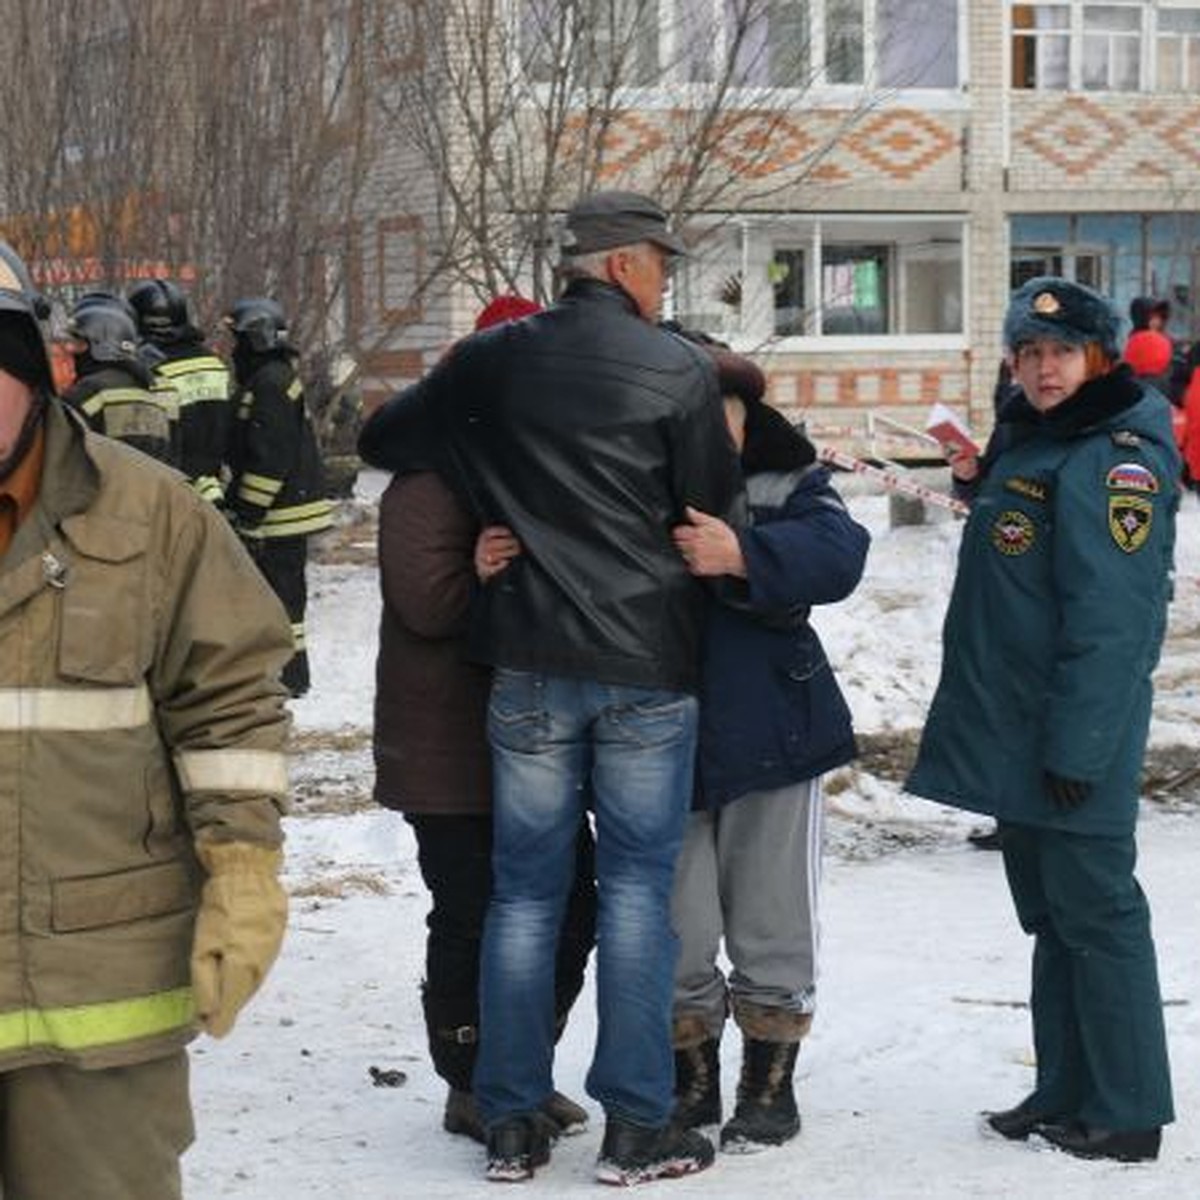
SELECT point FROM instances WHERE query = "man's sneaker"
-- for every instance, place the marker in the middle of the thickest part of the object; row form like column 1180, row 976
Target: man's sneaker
column 637, row 1154
column 1127, row 1146
column 517, row 1146
column 571, row 1118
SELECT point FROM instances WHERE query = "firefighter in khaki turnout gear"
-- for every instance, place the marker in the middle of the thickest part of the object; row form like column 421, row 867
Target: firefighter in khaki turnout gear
column 141, row 780
column 276, row 493
column 113, row 388
column 198, row 377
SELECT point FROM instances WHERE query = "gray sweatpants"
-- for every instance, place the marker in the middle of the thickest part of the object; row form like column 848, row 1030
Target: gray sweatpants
column 750, row 872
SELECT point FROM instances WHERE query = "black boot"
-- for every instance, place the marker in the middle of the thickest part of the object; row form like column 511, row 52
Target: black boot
column 1016, row 1124
column 698, row 1085
column 766, row 1113
column 1132, row 1146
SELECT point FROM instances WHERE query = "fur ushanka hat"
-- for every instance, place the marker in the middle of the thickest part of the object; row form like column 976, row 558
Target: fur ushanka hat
column 1048, row 307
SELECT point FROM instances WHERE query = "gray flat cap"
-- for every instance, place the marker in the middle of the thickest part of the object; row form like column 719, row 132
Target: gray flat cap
column 604, row 220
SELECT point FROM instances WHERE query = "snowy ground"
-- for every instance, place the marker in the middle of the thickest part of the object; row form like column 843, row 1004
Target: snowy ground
column 921, row 1019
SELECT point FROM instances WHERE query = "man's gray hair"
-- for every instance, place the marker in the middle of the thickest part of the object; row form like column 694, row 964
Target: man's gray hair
column 591, row 265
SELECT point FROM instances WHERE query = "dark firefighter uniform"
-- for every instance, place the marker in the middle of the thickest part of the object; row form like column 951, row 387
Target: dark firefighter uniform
column 201, row 384
column 122, row 401
column 276, row 492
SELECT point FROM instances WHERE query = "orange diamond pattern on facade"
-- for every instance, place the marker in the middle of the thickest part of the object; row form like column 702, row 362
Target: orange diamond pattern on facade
column 755, row 145
column 1183, row 136
column 901, row 143
column 1075, row 136
column 628, row 140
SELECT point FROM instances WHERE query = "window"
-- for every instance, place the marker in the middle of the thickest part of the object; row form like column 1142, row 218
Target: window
column 844, row 41
column 1177, row 46
column 1112, row 48
column 596, row 43
column 1121, row 254
column 769, row 42
column 1126, row 46
column 786, row 274
column 336, row 50
column 825, row 277
column 755, row 43
column 1041, row 46
column 399, row 265
column 917, row 44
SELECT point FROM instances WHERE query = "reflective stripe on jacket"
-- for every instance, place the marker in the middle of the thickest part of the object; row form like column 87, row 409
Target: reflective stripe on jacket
column 277, row 489
column 115, row 404
column 202, row 386
column 140, row 709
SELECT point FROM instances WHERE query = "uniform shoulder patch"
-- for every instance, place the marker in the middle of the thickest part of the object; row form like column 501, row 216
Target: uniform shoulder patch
column 1129, row 520
column 1131, row 477
column 1125, row 438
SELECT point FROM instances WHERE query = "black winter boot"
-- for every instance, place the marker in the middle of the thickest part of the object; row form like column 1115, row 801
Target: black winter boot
column 698, row 1085
column 766, row 1113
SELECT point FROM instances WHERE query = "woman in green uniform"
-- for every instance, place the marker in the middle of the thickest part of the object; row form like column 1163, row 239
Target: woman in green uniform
column 1043, row 708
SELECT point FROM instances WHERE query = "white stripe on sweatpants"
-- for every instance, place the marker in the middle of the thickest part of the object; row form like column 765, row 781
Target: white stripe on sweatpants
column 750, row 874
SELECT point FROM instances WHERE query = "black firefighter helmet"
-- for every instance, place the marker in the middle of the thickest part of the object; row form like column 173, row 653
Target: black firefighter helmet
column 162, row 311
column 106, row 328
column 259, row 324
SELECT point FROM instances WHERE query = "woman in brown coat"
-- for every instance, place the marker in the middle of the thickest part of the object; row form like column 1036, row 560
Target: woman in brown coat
column 432, row 764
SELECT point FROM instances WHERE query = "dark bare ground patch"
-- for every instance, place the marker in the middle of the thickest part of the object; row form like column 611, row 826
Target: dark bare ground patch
column 1171, row 775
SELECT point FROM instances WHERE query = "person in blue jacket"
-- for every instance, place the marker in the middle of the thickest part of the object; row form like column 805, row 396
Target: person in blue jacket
column 772, row 721
column 1042, row 712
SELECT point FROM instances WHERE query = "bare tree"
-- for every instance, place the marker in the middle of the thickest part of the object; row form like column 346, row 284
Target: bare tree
column 223, row 144
column 516, row 107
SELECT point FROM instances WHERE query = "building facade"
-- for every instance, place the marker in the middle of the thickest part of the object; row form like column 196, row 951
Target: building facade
column 874, row 218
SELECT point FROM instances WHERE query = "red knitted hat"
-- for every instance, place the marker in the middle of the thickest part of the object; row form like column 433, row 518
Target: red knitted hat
column 510, row 307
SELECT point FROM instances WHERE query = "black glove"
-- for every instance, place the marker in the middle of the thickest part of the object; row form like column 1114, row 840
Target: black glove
column 1067, row 794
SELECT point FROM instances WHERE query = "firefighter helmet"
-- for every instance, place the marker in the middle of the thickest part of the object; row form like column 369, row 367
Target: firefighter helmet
column 18, row 296
column 162, row 310
column 102, row 299
column 105, row 326
column 259, row 324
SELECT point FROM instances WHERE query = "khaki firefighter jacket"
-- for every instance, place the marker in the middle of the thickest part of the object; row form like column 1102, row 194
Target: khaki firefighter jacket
column 140, row 710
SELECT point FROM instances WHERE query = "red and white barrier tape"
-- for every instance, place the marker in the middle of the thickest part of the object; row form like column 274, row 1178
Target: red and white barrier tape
column 892, row 481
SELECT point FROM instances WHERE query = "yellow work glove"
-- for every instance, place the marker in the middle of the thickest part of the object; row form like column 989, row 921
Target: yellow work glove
column 239, row 928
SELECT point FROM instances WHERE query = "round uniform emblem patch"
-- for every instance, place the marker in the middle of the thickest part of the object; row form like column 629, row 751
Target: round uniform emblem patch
column 1013, row 532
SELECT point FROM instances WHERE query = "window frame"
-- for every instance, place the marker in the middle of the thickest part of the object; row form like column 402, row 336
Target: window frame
column 763, row 236
column 673, row 87
column 1149, row 36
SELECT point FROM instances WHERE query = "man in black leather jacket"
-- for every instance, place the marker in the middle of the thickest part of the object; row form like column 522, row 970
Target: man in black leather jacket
column 588, row 431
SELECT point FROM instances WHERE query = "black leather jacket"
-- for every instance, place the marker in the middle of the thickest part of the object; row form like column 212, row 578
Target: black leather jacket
column 586, row 430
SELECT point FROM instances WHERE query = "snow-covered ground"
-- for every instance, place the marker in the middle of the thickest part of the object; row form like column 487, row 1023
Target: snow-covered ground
column 921, row 1020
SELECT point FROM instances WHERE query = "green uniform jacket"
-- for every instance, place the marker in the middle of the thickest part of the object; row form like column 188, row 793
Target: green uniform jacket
column 140, row 710
column 1058, row 613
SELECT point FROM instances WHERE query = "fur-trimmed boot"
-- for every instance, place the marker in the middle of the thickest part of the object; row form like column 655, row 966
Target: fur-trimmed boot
column 697, row 1074
column 765, row 1113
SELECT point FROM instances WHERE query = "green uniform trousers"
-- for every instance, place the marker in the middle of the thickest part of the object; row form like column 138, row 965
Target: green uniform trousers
column 1097, row 1011
column 114, row 1134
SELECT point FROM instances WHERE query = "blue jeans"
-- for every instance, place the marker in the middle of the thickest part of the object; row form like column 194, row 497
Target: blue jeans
column 554, row 741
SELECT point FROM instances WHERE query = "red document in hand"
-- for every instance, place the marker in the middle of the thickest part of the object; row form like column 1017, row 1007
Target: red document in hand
column 945, row 425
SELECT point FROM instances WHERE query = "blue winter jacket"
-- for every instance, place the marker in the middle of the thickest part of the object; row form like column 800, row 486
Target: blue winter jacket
column 1058, row 613
column 771, row 712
